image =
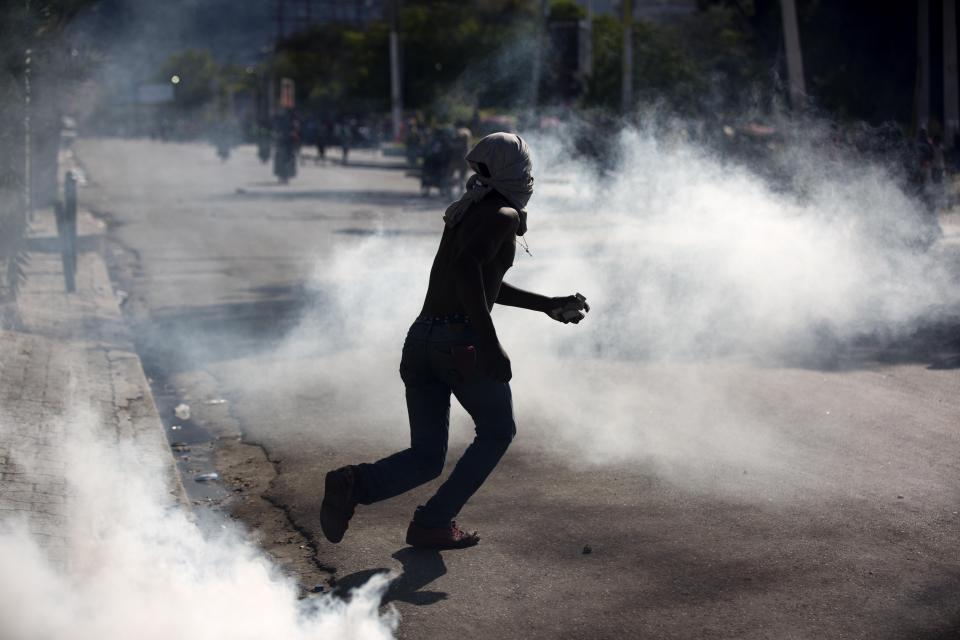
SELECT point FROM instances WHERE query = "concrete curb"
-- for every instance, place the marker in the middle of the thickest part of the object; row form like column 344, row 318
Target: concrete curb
column 70, row 352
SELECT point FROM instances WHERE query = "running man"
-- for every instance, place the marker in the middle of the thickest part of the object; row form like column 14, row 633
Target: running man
column 452, row 347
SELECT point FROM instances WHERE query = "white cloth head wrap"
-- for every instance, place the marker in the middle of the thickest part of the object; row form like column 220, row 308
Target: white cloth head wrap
column 507, row 157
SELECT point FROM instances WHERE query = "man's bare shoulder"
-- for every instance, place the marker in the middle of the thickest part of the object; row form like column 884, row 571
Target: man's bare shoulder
column 495, row 213
column 486, row 228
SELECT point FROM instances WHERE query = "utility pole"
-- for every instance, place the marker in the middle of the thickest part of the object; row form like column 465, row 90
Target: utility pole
column 278, row 18
column 28, row 108
column 791, row 40
column 922, row 98
column 27, row 130
column 951, row 99
column 585, row 44
column 626, row 91
column 396, row 88
column 538, row 55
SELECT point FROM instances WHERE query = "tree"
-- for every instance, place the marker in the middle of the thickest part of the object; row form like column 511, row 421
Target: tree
column 566, row 10
column 704, row 61
column 195, row 75
column 454, row 54
column 858, row 55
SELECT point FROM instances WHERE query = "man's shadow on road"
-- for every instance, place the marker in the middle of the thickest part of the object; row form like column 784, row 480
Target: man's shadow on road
column 420, row 568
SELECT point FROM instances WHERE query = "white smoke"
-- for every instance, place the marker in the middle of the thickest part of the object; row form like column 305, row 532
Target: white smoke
column 696, row 272
column 139, row 567
column 687, row 256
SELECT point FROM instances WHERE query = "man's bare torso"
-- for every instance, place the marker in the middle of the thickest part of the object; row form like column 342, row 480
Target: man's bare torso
column 442, row 296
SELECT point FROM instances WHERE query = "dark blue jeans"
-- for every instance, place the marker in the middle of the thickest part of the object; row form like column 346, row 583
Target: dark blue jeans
column 437, row 361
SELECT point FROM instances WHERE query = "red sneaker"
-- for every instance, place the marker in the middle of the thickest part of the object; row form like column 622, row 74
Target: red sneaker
column 341, row 490
column 452, row 537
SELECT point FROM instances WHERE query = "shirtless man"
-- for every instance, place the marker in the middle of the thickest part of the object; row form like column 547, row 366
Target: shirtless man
column 452, row 347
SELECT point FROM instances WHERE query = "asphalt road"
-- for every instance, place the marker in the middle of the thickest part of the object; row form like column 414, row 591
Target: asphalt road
column 778, row 501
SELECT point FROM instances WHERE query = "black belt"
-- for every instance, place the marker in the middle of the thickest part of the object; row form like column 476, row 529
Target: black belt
column 449, row 318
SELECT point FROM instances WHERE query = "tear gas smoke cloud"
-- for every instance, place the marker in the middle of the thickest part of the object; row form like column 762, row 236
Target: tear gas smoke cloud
column 687, row 256
column 138, row 567
column 692, row 267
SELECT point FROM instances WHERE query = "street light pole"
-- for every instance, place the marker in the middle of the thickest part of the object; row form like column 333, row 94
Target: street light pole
column 538, row 55
column 791, row 40
column 396, row 88
column 923, row 64
column 28, row 108
column 951, row 99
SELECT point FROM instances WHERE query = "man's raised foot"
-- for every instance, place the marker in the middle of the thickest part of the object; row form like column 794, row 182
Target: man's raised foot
column 340, row 499
column 452, row 537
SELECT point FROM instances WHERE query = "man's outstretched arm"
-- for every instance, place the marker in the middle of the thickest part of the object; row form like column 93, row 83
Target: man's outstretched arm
column 511, row 296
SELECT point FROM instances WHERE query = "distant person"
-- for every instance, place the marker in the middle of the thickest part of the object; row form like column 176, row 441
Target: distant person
column 309, row 134
column 438, row 160
column 324, row 135
column 452, row 347
column 287, row 145
column 924, row 153
column 938, row 163
column 264, row 141
column 344, row 137
column 413, row 141
column 919, row 165
column 938, row 168
column 462, row 138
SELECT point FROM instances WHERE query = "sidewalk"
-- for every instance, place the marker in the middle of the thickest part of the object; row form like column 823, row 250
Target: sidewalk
column 70, row 352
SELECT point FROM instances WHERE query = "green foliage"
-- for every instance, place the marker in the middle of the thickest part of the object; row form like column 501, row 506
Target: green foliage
column 438, row 43
column 566, row 10
column 460, row 56
column 334, row 66
column 198, row 73
column 603, row 86
column 455, row 55
column 690, row 64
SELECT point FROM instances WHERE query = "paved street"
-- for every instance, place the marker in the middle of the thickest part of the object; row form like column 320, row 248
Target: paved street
column 721, row 497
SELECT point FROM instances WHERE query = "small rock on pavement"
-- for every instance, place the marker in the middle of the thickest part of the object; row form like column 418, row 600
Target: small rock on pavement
column 587, row 549
column 182, row 411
